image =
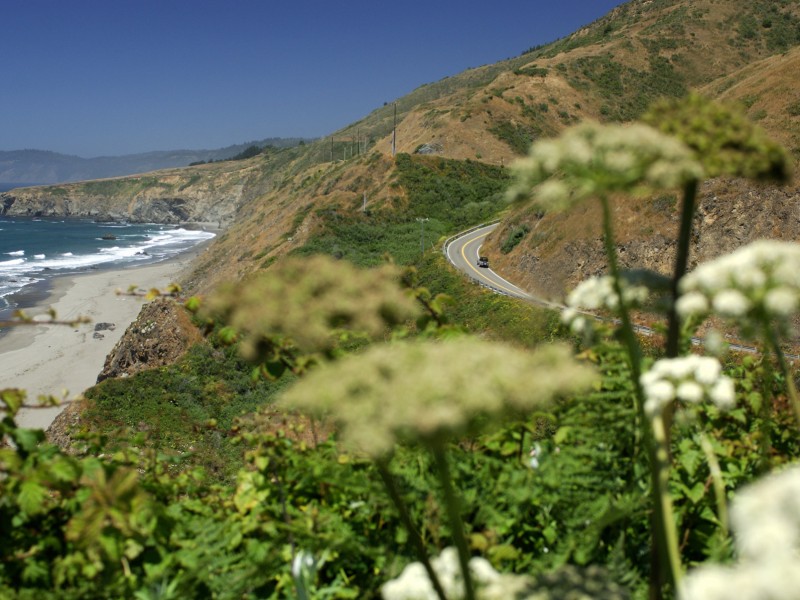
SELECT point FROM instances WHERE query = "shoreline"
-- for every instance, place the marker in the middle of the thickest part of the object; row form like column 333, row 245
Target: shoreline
column 64, row 361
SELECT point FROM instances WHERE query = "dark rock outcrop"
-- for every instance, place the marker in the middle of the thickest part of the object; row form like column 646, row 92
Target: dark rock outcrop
column 160, row 335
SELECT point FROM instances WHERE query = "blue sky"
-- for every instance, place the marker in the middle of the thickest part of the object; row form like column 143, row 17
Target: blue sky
column 110, row 77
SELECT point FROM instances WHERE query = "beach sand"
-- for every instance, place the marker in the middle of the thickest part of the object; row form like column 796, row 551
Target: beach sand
column 63, row 361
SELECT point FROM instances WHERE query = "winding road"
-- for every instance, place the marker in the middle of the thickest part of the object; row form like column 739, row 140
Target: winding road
column 463, row 251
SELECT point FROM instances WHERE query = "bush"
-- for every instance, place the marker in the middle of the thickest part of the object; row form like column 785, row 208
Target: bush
column 514, row 237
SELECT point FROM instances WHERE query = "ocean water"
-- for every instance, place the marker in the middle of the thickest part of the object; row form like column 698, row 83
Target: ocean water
column 33, row 250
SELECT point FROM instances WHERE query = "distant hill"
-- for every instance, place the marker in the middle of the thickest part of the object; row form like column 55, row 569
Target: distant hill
column 41, row 166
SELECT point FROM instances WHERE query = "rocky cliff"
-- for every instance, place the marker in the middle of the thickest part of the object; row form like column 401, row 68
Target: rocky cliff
column 561, row 250
column 206, row 193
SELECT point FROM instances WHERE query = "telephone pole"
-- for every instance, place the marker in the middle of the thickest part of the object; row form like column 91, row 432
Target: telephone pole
column 394, row 131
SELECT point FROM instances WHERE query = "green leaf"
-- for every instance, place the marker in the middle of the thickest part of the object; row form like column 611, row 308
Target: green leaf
column 12, row 399
column 275, row 369
column 503, row 552
column 63, row 469
column 28, row 439
column 227, row 335
column 690, row 460
column 192, row 304
column 562, row 434
column 31, row 497
column 696, row 492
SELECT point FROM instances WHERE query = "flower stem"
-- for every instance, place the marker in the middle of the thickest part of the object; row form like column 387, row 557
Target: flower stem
column 628, row 335
column 663, row 500
column 681, row 264
column 416, row 539
column 454, row 512
column 665, row 546
column 791, row 388
column 718, row 482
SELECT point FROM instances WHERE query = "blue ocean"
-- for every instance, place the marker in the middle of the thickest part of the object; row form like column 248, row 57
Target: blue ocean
column 33, row 250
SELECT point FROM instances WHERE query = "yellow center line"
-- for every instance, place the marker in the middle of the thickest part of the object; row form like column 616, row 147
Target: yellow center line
column 479, row 273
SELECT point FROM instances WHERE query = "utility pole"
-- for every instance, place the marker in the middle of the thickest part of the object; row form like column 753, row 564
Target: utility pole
column 364, row 205
column 422, row 232
column 394, row 131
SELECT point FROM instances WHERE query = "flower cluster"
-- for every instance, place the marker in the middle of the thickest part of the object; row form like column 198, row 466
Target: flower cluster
column 592, row 159
column 760, row 281
column 429, row 391
column 766, row 519
column 724, row 140
column 690, row 379
column 307, row 301
column 597, row 293
column 414, row 584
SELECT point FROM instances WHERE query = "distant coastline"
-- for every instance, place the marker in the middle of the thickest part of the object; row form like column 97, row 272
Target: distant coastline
column 5, row 186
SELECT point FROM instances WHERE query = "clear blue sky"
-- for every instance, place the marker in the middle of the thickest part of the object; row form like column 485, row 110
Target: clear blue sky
column 110, row 77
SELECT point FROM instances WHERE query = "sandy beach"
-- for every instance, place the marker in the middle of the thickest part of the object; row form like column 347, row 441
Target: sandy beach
column 63, row 361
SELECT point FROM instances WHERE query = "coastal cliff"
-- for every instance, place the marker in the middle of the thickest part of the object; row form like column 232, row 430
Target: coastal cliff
column 206, row 193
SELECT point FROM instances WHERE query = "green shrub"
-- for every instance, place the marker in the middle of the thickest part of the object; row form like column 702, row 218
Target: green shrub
column 514, row 237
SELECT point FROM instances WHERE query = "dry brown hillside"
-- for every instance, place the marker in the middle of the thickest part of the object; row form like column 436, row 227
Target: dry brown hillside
column 610, row 70
column 563, row 249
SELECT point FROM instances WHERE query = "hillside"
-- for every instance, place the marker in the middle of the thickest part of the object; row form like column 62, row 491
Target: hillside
column 609, row 70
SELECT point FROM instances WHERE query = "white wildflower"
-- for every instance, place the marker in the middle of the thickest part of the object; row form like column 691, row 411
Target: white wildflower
column 766, row 520
column 766, row 517
column 690, row 391
column 781, row 301
column 597, row 293
column 690, row 379
column 427, row 392
column 693, row 303
column 706, row 370
column 723, row 394
column 715, row 343
column 658, row 395
column 414, row 584
column 731, row 303
column 580, row 325
column 758, row 281
column 554, row 193
column 594, row 159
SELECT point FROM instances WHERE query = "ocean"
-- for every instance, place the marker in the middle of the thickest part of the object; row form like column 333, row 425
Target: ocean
column 33, row 250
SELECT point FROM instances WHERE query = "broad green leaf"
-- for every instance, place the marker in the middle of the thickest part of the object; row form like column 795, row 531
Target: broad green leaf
column 12, row 399
column 31, row 497
column 62, row 469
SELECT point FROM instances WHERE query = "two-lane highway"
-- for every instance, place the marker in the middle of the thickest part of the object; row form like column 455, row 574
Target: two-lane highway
column 464, row 251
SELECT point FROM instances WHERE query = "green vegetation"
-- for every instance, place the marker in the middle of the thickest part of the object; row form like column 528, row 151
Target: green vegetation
column 768, row 24
column 175, row 404
column 532, row 71
column 626, row 92
column 129, row 186
column 514, row 237
column 448, row 194
column 516, row 135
